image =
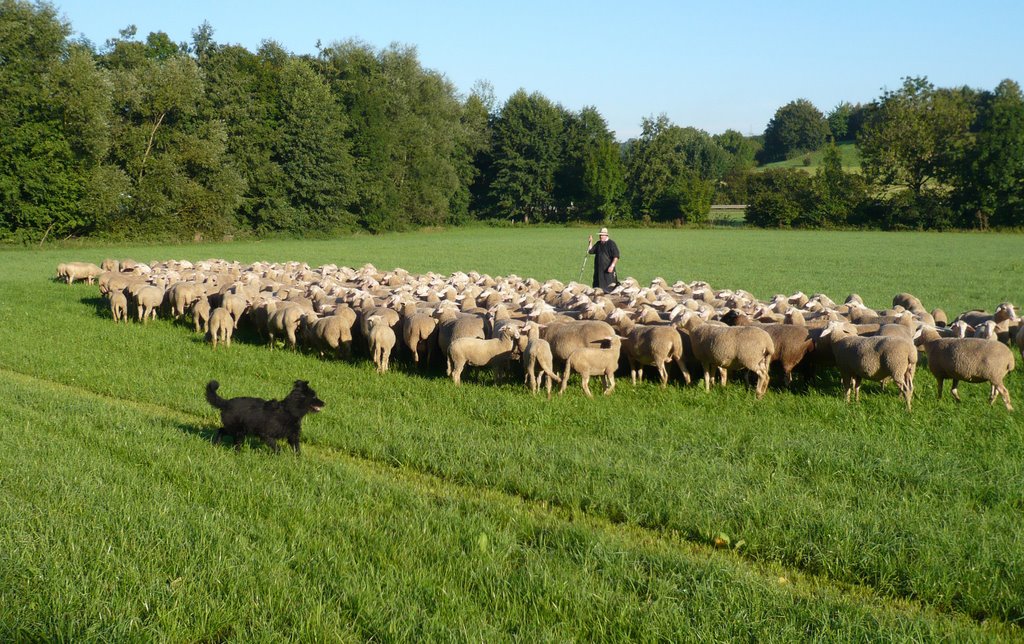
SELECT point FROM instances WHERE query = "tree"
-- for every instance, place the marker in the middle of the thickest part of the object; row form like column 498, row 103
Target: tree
column 178, row 183
column 742, row 149
column 913, row 137
column 797, row 127
column 990, row 184
column 39, row 184
column 591, row 179
column 839, row 121
column 779, row 198
column 527, row 154
column 672, row 171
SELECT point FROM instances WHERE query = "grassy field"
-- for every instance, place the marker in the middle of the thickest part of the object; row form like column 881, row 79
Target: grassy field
column 419, row 510
column 848, row 153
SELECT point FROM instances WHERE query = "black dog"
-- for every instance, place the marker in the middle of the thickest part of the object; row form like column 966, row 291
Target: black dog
column 268, row 419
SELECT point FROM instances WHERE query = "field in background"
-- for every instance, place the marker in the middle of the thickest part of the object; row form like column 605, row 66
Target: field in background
column 421, row 510
column 848, row 153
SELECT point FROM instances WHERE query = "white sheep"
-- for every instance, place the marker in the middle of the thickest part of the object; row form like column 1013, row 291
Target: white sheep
column 118, row 306
column 381, row 339
column 148, row 299
column 723, row 348
column 536, row 353
column 655, row 345
column 220, row 327
column 874, row 358
column 592, row 361
column 496, row 353
column 969, row 360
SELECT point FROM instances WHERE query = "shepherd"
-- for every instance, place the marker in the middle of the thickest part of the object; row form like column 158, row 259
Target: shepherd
column 606, row 256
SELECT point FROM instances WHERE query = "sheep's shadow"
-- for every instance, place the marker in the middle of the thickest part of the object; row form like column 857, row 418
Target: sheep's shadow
column 100, row 306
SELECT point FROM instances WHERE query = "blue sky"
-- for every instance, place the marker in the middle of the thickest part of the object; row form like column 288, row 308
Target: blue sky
column 710, row 65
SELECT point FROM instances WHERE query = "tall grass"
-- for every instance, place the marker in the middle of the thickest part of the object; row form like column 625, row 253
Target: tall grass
column 422, row 510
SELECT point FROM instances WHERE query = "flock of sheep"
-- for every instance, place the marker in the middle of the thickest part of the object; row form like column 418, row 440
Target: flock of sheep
column 554, row 330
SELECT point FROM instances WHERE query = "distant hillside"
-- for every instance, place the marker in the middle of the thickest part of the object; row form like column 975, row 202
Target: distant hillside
column 848, row 152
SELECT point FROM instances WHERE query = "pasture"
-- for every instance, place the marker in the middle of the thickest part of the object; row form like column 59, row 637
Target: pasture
column 419, row 510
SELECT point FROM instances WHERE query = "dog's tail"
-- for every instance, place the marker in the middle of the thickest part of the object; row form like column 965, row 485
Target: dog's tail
column 212, row 397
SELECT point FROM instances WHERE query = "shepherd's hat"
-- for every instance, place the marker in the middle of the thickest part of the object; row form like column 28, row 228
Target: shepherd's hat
column 604, row 231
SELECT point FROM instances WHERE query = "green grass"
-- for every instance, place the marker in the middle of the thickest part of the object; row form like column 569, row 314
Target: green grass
column 849, row 156
column 423, row 511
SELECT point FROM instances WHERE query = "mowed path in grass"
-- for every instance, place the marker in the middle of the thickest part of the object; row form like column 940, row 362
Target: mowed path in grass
column 424, row 510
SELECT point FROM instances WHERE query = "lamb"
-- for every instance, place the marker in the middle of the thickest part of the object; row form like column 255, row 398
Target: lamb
column 969, row 360
column 874, row 358
column 655, row 345
column 201, row 314
column 496, row 352
column 381, row 339
column 536, row 352
column 220, row 327
column 724, row 348
column 118, row 306
column 590, row 361
column 236, row 306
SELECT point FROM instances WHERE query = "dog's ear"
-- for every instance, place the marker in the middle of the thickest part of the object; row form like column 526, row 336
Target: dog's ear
column 302, row 383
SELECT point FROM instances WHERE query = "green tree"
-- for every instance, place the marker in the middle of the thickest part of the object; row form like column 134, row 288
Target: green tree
column 797, row 127
column 591, row 179
column 837, row 195
column 779, row 198
column 39, row 185
column 742, row 149
column 839, row 121
column 990, row 184
column 913, row 137
column 410, row 142
column 527, row 153
column 179, row 183
column 671, row 171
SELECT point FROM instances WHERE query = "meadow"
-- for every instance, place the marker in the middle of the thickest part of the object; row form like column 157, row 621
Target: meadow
column 419, row 510
column 849, row 157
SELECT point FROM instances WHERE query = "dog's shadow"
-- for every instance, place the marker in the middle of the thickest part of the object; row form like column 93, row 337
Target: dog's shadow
column 207, row 433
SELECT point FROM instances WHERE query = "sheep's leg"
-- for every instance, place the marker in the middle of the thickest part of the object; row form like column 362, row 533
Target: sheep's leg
column 847, row 387
column 939, row 381
column 586, row 384
column 953, row 391
column 723, row 376
column 707, row 377
column 609, row 381
column 683, row 370
column 663, row 372
column 1006, row 396
column 547, row 380
column 456, row 374
column 856, row 388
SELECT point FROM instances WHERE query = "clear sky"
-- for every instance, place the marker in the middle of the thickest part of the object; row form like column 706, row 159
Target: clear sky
column 714, row 65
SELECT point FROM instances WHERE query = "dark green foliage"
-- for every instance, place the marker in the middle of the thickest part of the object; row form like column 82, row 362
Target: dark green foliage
column 990, row 184
column 796, row 127
column 591, row 184
column 527, row 154
column 778, row 198
column 672, row 171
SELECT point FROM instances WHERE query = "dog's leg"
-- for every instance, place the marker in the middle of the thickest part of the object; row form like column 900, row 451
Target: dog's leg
column 294, row 442
column 238, row 442
column 272, row 443
column 218, row 436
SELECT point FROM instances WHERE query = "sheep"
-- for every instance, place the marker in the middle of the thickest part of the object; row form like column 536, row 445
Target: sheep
column 284, row 321
column 148, row 299
column 201, row 314
column 986, row 331
column 73, row 271
column 590, row 361
column 792, row 343
column 724, row 348
column 452, row 325
column 236, row 306
column 220, row 327
column 565, row 336
column 182, row 295
column 481, row 353
column 418, row 330
column 969, row 360
column 940, row 317
column 118, row 306
column 536, row 352
column 655, row 345
column 381, row 339
column 874, row 358
column 1019, row 341
column 326, row 333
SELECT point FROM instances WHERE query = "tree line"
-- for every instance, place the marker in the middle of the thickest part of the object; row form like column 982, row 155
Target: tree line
column 148, row 138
